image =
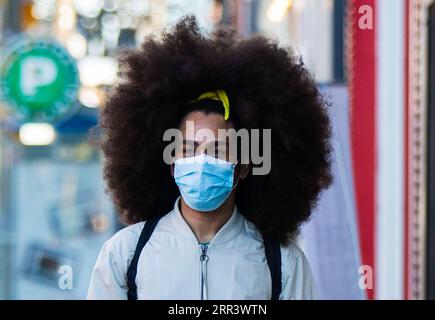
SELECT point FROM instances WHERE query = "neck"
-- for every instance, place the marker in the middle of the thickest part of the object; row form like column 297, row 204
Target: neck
column 206, row 224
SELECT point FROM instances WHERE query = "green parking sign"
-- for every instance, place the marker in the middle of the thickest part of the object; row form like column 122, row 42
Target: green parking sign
column 39, row 80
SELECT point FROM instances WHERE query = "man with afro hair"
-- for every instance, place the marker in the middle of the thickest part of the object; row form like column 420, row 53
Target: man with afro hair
column 211, row 225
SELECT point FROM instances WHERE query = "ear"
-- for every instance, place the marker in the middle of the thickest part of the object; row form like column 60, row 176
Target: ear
column 244, row 170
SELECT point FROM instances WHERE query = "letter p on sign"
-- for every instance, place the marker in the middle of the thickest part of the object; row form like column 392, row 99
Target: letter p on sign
column 36, row 72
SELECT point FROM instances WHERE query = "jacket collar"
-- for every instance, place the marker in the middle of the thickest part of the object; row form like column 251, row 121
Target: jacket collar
column 227, row 232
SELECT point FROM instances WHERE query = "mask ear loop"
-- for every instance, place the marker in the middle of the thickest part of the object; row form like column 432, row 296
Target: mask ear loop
column 238, row 177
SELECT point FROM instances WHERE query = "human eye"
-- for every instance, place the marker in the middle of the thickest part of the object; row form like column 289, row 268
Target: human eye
column 188, row 149
column 221, row 150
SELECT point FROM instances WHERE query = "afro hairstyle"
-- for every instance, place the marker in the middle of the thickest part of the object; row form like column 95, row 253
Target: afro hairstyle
column 268, row 88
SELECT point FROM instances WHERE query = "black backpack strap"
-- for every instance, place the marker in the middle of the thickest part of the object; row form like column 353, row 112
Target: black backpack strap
column 147, row 230
column 273, row 257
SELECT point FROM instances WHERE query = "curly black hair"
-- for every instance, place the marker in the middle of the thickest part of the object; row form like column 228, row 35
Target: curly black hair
column 267, row 88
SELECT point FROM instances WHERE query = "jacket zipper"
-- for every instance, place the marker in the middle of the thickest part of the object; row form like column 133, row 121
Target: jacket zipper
column 203, row 261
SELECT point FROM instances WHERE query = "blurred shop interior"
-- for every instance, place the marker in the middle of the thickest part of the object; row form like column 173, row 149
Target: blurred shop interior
column 53, row 207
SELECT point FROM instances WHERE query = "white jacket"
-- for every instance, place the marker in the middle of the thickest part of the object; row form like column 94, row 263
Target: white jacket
column 169, row 266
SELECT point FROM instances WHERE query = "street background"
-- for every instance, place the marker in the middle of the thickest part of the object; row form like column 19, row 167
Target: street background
column 373, row 233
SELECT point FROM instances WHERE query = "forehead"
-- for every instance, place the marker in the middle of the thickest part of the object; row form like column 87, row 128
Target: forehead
column 195, row 125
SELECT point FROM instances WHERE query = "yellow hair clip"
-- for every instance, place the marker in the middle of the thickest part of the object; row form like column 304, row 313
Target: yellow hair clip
column 218, row 95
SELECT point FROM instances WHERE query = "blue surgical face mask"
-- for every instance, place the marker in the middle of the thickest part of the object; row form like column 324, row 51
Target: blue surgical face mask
column 204, row 182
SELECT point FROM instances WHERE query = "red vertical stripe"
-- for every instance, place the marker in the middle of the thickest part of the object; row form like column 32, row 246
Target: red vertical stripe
column 363, row 125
